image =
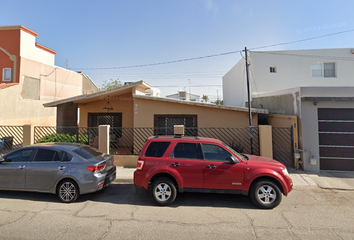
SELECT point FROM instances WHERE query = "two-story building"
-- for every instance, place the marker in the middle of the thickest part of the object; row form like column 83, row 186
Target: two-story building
column 29, row 78
column 315, row 85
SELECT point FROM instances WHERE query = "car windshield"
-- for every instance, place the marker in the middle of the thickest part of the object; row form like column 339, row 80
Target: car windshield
column 243, row 157
column 87, row 152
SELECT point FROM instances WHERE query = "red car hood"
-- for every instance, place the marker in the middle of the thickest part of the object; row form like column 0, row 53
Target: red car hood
column 263, row 160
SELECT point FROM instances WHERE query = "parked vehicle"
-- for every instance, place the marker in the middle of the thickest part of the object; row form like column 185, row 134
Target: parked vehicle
column 65, row 169
column 171, row 164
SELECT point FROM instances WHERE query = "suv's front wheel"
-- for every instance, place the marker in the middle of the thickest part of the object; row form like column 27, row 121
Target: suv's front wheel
column 163, row 191
column 265, row 194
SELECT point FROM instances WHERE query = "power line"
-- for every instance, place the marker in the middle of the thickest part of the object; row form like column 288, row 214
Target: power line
column 308, row 56
column 213, row 55
column 303, row 40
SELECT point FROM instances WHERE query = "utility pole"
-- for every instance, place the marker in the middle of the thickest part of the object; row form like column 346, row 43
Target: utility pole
column 190, row 97
column 249, row 101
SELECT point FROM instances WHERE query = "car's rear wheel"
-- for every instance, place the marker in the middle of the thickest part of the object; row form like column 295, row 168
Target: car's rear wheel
column 68, row 191
column 163, row 191
column 265, row 194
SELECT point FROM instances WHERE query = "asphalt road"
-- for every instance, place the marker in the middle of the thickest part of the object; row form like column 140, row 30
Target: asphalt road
column 125, row 212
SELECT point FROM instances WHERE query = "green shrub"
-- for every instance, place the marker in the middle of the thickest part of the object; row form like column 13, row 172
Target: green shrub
column 63, row 138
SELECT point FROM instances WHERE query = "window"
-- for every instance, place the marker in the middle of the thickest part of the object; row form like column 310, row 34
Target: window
column 19, row 156
column 164, row 124
column 273, row 69
column 157, row 149
column 186, row 151
column 215, row 153
column 7, row 74
column 327, row 70
column 46, row 155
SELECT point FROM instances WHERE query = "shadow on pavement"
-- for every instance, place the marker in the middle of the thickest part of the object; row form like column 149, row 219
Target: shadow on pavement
column 128, row 194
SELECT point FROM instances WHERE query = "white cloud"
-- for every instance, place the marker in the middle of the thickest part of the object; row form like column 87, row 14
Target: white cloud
column 210, row 6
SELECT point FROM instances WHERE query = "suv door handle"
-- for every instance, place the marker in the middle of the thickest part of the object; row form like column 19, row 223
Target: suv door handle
column 61, row 168
column 175, row 164
column 21, row 167
column 211, row 166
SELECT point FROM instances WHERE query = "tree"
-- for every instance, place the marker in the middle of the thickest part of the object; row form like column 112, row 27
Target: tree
column 205, row 98
column 111, row 84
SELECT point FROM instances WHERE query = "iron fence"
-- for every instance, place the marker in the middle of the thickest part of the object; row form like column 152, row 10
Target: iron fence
column 283, row 150
column 11, row 137
column 130, row 141
column 84, row 135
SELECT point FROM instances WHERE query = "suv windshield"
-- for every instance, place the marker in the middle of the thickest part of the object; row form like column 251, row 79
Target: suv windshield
column 243, row 157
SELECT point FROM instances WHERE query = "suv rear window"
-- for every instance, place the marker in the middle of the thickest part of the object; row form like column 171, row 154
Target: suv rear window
column 157, row 149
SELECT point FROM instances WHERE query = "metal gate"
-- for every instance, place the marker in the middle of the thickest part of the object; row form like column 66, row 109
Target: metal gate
column 283, row 150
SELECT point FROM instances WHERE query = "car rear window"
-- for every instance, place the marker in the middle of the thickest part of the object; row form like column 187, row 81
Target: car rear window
column 157, row 149
column 87, row 152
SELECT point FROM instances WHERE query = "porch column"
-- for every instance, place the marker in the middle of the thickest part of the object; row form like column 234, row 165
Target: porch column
column 265, row 141
column 103, row 138
column 28, row 135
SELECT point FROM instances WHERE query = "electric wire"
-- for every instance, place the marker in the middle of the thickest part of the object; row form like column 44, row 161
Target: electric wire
column 213, row 55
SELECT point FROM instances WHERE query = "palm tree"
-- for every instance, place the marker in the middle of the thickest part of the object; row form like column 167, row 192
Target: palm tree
column 205, row 98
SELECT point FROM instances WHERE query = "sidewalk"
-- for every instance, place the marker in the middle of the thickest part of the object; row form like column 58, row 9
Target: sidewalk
column 324, row 180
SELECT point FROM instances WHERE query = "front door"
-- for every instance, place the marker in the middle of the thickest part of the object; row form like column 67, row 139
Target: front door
column 218, row 171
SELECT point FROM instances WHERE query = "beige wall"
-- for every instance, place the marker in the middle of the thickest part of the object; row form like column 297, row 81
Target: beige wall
column 17, row 111
column 55, row 82
column 121, row 104
column 207, row 116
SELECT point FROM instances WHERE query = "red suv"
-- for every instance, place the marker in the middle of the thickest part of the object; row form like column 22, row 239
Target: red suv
column 171, row 164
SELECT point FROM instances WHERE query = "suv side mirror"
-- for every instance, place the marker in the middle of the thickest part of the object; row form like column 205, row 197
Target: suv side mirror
column 232, row 159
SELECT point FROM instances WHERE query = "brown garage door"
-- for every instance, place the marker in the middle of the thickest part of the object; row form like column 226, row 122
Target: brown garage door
column 336, row 138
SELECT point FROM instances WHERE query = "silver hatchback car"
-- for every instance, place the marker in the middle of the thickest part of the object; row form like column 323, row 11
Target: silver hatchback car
column 65, row 169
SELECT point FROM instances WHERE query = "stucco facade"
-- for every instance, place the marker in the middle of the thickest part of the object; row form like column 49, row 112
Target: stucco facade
column 307, row 104
column 31, row 66
column 139, row 110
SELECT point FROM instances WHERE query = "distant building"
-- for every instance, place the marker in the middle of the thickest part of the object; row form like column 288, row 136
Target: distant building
column 272, row 71
column 29, row 79
column 183, row 95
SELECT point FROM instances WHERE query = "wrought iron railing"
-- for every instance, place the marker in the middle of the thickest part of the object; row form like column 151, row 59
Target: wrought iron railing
column 84, row 135
column 283, row 145
column 11, row 137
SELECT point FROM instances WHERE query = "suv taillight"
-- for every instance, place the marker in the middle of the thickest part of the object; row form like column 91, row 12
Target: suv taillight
column 140, row 165
column 96, row 169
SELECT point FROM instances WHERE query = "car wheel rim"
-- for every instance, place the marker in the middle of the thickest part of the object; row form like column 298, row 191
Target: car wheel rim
column 67, row 191
column 163, row 192
column 267, row 194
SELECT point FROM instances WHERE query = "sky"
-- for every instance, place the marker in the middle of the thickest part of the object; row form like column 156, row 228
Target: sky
column 112, row 39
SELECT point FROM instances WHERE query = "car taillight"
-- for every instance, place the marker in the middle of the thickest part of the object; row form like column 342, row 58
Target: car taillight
column 96, row 169
column 140, row 165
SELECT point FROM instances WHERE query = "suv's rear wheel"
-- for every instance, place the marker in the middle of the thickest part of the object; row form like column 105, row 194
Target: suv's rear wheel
column 265, row 194
column 163, row 191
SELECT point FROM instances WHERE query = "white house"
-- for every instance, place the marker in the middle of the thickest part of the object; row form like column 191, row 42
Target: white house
column 271, row 71
column 183, row 95
column 315, row 85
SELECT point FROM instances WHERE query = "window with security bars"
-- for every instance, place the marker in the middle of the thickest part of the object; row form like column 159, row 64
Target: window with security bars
column 325, row 70
column 112, row 119
column 164, row 124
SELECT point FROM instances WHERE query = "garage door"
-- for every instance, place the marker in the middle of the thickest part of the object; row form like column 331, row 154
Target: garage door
column 336, row 138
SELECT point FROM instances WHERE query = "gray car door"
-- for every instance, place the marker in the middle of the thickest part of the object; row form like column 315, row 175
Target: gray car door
column 13, row 169
column 45, row 169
